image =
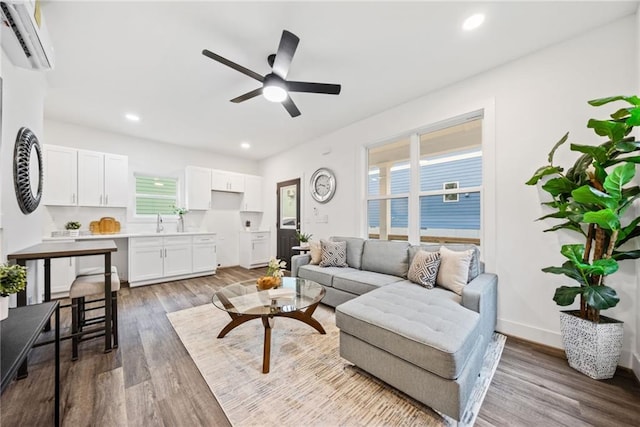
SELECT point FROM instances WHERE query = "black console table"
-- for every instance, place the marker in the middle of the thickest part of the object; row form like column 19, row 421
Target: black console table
column 19, row 333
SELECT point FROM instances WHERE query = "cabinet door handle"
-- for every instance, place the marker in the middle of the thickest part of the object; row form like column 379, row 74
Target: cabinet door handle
column 160, row 253
column 106, row 201
column 101, row 199
column 73, row 198
column 165, row 253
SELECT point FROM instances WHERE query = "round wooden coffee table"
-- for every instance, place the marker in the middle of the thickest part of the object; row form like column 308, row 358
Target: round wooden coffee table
column 296, row 298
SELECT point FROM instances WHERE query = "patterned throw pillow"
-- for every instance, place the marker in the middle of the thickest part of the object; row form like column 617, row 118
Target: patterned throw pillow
column 424, row 268
column 454, row 269
column 334, row 254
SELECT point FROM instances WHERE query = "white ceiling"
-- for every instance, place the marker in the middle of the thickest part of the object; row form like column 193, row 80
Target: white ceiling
column 145, row 57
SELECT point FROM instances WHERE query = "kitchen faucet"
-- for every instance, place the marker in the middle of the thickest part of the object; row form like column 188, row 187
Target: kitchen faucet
column 159, row 226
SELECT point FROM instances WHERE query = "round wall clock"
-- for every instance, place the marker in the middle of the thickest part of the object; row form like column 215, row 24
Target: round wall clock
column 323, row 185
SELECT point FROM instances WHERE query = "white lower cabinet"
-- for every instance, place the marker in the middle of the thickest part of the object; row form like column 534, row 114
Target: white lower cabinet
column 205, row 257
column 158, row 259
column 254, row 249
column 63, row 273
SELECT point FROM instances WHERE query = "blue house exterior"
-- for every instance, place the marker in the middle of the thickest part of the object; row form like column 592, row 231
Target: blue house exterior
column 435, row 212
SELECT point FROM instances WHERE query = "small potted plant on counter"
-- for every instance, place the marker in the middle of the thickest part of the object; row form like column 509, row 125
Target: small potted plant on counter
column 180, row 212
column 13, row 279
column 73, row 227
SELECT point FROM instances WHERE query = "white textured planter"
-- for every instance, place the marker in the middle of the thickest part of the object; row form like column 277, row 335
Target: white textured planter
column 4, row 307
column 74, row 233
column 592, row 348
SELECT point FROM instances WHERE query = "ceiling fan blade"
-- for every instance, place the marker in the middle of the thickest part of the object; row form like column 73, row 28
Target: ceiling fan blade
column 291, row 107
column 233, row 65
column 326, row 88
column 288, row 45
column 247, row 95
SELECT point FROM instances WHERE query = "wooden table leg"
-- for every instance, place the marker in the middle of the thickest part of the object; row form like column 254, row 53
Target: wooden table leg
column 108, row 315
column 57, row 372
column 306, row 317
column 22, row 295
column 47, row 287
column 267, row 321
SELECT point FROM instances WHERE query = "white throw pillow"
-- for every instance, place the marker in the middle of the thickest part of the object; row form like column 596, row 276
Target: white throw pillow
column 454, row 269
column 316, row 252
column 424, row 268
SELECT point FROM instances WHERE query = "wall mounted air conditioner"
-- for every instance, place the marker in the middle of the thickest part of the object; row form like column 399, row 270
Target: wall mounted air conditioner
column 25, row 38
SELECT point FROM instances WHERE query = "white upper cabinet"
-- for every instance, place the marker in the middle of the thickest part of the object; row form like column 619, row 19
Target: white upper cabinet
column 90, row 178
column 198, row 188
column 227, row 181
column 102, row 179
column 116, row 180
column 84, row 178
column 252, row 199
column 60, row 176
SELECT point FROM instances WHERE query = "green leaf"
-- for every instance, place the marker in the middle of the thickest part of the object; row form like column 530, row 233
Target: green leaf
column 600, row 297
column 600, row 172
column 565, row 295
column 597, row 152
column 620, row 114
column 614, row 130
column 568, row 269
column 574, row 253
column 627, row 146
column 617, row 179
column 542, row 172
column 625, row 231
column 633, row 100
column 633, row 159
column 557, row 186
column 589, row 195
column 566, row 226
column 621, row 256
column 605, row 218
column 602, row 267
column 634, row 118
column 555, row 147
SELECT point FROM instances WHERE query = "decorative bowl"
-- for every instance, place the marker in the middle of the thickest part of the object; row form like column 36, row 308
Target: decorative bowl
column 268, row 282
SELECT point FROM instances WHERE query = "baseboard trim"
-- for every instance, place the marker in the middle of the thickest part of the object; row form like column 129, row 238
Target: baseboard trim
column 553, row 339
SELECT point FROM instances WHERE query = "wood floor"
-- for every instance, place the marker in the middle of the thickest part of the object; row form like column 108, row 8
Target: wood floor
column 151, row 380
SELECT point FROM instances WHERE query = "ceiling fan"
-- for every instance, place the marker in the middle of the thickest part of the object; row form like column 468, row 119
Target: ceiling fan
column 275, row 87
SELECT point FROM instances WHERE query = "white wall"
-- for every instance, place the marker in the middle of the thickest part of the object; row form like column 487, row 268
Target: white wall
column 22, row 105
column 531, row 102
column 155, row 158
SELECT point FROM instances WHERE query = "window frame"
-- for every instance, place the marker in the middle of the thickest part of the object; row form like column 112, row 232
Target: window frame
column 177, row 199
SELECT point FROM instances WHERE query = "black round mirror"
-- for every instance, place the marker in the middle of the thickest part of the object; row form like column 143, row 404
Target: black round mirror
column 27, row 170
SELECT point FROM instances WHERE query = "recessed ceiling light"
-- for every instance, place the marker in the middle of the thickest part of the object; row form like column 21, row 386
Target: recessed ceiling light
column 473, row 22
column 245, row 145
column 132, row 117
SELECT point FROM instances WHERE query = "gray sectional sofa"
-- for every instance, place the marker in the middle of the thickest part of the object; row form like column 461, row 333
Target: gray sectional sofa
column 427, row 343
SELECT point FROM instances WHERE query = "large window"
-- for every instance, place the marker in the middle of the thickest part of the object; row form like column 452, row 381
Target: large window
column 445, row 201
column 156, row 195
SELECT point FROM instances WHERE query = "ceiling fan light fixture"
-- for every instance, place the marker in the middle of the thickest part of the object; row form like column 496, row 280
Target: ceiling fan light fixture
column 274, row 89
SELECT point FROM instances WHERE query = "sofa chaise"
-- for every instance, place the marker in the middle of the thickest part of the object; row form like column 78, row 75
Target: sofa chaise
column 427, row 343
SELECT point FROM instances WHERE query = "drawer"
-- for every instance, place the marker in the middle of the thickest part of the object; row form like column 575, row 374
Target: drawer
column 177, row 240
column 260, row 236
column 145, row 242
column 209, row 238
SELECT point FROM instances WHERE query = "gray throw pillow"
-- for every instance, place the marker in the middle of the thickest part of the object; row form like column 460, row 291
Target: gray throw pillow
column 334, row 254
column 424, row 268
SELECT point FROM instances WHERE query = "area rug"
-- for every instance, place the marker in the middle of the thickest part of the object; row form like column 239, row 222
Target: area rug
column 309, row 383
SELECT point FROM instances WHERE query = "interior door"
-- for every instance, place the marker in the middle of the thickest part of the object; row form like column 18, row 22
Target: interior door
column 288, row 218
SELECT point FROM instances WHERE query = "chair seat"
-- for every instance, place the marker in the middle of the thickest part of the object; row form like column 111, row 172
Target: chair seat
column 94, row 284
column 91, row 271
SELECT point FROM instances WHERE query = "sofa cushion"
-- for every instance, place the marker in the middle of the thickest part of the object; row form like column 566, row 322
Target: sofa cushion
column 454, row 269
column 424, row 268
column 386, row 257
column 413, row 323
column 354, row 249
column 322, row 275
column 360, row 282
column 334, row 254
column 475, row 265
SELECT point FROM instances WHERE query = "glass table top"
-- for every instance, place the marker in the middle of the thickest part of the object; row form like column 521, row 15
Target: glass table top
column 244, row 297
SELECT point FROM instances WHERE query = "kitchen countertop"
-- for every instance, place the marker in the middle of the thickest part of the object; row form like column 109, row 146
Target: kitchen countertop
column 124, row 235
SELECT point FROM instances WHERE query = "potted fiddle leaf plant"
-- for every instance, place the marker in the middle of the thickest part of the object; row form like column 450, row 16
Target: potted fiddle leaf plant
column 592, row 198
column 303, row 238
column 13, row 279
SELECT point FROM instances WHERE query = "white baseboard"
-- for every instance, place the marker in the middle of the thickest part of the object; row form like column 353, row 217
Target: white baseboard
column 553, row 339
